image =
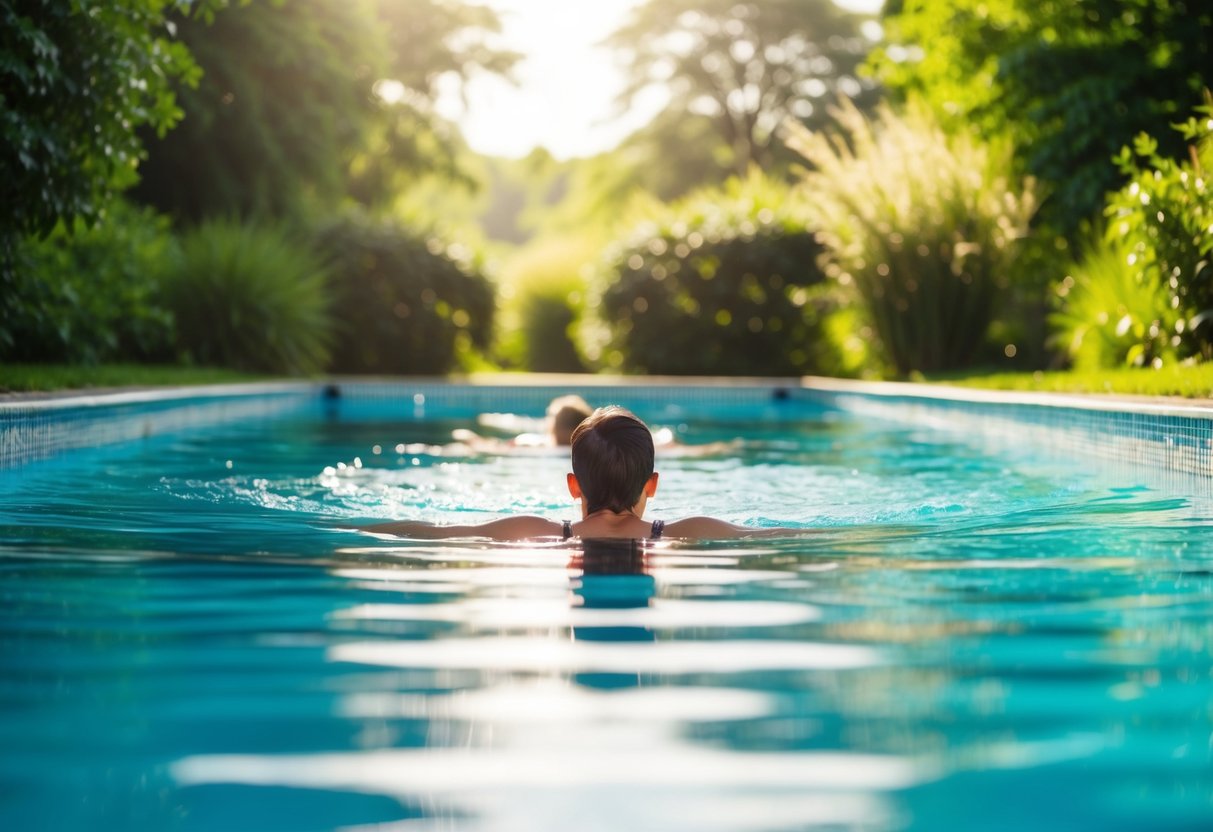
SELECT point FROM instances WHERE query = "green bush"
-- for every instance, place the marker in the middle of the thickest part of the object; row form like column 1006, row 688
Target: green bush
column 403, row 304
column 1164, row 219
column 249, row 297
column 921, row 223
column 89, row 294
column 542, row 296
column 719, row 283
column 1111, row 313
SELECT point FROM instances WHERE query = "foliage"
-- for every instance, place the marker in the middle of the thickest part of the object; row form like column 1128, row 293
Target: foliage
column 670, row 157
column 1144, row 294
column 746, row 66
column 77, row 81
column 278, row 109
column 88, row 294
column 1111, row 313
column 541, row 297
column 519, row 193
column 249, row 297
column 314, row 99
column 1072, row 80
column 20, row 378
column 432, row 43
column 675, row 154
column 718, row 283
column 1164, row 216
column 923, row 224
column 403, row 303
column 1193, row 382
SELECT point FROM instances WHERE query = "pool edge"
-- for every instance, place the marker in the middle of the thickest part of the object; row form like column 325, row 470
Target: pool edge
column 1176, row 434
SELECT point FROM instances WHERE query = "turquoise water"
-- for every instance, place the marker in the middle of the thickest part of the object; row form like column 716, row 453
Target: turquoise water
column 975, row 636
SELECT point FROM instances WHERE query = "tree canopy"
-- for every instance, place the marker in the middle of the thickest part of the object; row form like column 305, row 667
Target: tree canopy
column 78, row 80
column 1072, row 80
column 315, row 99
column 746, row 66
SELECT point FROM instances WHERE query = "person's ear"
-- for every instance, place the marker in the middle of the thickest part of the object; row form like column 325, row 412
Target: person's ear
column 574, row 487
column 650, row 486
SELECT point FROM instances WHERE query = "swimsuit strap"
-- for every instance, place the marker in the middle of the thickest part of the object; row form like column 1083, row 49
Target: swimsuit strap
column 566, row 528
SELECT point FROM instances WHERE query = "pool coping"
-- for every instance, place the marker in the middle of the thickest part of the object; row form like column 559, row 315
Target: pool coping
column 1118, row 402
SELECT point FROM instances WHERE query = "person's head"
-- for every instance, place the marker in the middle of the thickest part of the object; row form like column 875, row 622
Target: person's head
column 612, row 454
column 565, row 413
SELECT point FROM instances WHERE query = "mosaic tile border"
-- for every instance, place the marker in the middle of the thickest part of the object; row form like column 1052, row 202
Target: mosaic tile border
column 1163, row 435
column 531, row 393
column 41, row 427
column 1160, row 434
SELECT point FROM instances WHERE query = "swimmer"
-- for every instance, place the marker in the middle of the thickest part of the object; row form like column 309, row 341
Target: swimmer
column 613, row 477
column 564, row 414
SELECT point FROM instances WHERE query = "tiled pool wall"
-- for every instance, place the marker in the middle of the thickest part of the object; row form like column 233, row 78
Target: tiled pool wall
column 648, row 396
column 32, row 429
column 1160, row 435
column 1163, row 436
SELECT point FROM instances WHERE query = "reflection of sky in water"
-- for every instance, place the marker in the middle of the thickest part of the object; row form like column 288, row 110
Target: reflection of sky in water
column 191, row 645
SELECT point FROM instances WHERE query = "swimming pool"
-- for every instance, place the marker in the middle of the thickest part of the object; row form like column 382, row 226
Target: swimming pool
column 983, row 633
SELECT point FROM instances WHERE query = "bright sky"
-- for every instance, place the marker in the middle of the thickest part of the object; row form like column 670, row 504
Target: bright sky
column 566, row 88
column 567, row 83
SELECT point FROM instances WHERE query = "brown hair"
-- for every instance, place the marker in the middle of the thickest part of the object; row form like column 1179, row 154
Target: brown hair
column 612, row 455
column 566, row 413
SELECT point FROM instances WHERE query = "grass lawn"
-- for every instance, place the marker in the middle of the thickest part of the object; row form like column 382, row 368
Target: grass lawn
column 1186, row 382
column 25, row 378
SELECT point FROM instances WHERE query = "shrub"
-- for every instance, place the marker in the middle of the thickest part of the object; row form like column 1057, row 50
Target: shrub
column 1164, row 220
column 921, row 223
column 718, row 283
column 1111, row 313
column 84, row 294
column 249, row 297
column 542, row 295
column 403, row 303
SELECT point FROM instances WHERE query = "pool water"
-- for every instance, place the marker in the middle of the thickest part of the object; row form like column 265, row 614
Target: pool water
column 967, row 635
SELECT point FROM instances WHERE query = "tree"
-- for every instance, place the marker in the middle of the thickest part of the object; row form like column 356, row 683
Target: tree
column 1072, row 80
column 431, row 41
column 314, row 99
column 747, row 66
column 78, row 80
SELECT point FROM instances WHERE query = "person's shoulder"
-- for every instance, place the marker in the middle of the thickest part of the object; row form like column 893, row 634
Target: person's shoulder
column 521, row 527
column 702, row 527
column 712, row 528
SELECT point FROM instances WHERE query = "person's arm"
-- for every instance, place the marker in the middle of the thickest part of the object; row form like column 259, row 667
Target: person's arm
column 507, row 528
column 709, row 528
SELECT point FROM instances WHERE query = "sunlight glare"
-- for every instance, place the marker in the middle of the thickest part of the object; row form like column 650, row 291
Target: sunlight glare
column 567, row 83
column 565, row 98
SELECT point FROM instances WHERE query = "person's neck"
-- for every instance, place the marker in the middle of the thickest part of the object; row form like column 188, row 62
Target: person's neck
column 633, row 512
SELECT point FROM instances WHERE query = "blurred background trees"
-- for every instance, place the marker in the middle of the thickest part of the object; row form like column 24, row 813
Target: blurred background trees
column 287, row 161
column 744, row 67
column 76, row 84
column 1072, row 81
column 309, row 101
column 288, row 109
column 79, row 81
